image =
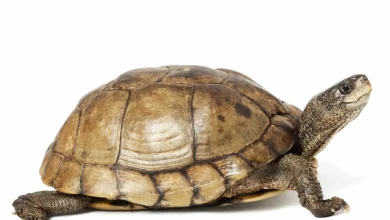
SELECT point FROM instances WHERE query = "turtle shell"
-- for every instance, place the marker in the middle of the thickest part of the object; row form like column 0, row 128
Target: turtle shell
column 173, row 136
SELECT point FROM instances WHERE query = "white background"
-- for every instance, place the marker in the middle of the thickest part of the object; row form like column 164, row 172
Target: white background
column 53, row 53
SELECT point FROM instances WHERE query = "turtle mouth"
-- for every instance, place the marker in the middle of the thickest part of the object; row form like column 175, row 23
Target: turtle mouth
column 361, row 101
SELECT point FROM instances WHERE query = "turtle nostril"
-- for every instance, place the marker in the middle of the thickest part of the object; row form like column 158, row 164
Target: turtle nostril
column 363, row 78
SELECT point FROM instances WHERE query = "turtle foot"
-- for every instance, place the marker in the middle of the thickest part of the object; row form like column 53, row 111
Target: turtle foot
column 326, row 208
column 27, row 210
column 41, row 205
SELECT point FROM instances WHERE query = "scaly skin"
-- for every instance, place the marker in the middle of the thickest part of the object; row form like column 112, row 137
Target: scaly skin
column 40, row 205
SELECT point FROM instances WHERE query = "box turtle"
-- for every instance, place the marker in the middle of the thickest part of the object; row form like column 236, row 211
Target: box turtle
column 181, row 136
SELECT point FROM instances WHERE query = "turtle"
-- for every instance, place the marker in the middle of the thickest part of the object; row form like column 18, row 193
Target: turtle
column 182, row 136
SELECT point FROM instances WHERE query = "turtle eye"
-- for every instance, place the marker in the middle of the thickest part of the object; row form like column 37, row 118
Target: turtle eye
column 346, row 89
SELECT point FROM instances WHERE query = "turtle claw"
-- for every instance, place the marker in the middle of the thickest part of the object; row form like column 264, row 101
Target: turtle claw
column 346, row 208
column 328, row 207
column 26, row 210
column 314, row 163
column 30, row 216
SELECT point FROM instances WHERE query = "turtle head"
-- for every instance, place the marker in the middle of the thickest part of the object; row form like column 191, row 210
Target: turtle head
column 343, row 102
column 330, row 111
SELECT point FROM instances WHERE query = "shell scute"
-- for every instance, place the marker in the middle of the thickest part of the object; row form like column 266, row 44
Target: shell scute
column 278, row 139
column 193, row 75
column 266, row 101
column 219, row 114
column 99, row 181
column 176, row 189
column 157, row 131
column 207, row 181
column 259, row 154
column 54, row 163
column 66, row 138
column 137, row 187
column 100, row 128
column 138, row 78
column 233, row 168
column 68, row 179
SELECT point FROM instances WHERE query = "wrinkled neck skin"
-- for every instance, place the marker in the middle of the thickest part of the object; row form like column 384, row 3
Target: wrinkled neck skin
column 318, row 125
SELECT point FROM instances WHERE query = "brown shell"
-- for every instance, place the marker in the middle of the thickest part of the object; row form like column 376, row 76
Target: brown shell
column 172, row 136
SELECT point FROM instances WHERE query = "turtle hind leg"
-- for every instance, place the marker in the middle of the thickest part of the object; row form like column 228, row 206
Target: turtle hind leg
column 41, row 205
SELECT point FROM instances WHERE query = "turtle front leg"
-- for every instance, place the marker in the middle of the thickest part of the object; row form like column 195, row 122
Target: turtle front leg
column 309, row 191
column 301, row 175
column 291, row 172
column 40, row 205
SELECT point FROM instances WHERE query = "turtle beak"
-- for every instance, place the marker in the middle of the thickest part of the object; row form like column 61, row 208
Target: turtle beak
column 365, row 88
column 364, row 83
